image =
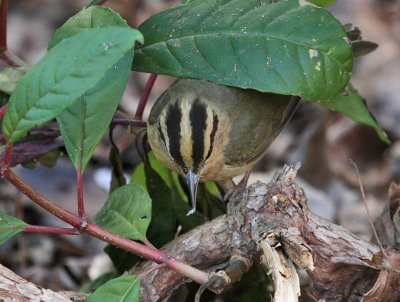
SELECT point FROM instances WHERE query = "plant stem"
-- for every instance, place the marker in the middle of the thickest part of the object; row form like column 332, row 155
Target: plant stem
column 126, row 122
column 2, row 111
column 40, row 200
column 50, row 230
column 101, row 2
column 145, row 96
column 104, row 235
column 79, row 188
column 11, row 58
column 3, row 25
column 7, row 155
column 147, row 253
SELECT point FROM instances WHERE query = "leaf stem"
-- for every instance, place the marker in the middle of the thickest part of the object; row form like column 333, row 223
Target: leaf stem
column 94, row 230
column 79, row 188
column 50, row 230
column 148, row 243
column 145, row 96
column 128, row 122
column 11, row 58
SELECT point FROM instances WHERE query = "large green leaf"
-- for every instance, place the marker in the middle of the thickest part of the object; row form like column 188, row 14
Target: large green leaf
column 288, row 47
column 127, row 212
column 84, row 123
column 9, row 226
column 92, row 17
column 354, row 106
column 121, row 289
column 65, row 74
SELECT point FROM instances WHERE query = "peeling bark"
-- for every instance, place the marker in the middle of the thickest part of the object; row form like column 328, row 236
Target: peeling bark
column 342, row 266
column 13, row 288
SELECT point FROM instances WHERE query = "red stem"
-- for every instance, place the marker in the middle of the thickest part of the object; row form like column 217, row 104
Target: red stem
column 101, row 2
column 79, row 188
column 50, row 230
column 104, row 235
column 3, row 25
column 6, row 55
column 2, row 111
column 7, row 155
column 11, row 58
column 145, row 96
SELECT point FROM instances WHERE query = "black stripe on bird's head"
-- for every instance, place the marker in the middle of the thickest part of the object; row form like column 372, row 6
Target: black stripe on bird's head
column 188, row 129
column 198, row 123
column 172, row 124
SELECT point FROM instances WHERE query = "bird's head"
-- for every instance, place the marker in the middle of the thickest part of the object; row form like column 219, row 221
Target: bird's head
column 188, row 135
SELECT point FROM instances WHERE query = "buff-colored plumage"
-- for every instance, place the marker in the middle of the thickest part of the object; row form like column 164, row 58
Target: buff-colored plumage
column 247, row 122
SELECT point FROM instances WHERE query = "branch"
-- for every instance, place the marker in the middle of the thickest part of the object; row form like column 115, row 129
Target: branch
column 342, row 266
column 15, row 288
column 89, row 228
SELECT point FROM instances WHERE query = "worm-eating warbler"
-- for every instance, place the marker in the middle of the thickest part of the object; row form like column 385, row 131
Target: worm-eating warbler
column 210, row 132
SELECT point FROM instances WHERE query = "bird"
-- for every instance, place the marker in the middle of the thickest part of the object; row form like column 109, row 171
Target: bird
column 211, row 132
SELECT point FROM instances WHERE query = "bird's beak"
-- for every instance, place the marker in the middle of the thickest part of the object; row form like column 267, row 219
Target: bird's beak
column 192, row 181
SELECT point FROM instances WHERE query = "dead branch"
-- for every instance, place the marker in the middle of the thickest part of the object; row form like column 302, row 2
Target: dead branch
column 13, row 288
column 341, row 266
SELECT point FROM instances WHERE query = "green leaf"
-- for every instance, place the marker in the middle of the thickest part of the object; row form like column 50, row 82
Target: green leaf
column 127, row 212
column 138, row 176
column 354, row 106
column 168, row 208
column 9, row 78
column 288, row 47
column 121, row 289
column 117, row 171
column 9, row 226
column 92, row 17
column 64, row 75
column 121, row 259
column 170, row 178
column 90, row 286
column 84, row 123
column 163, row 224
column 322, row 3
